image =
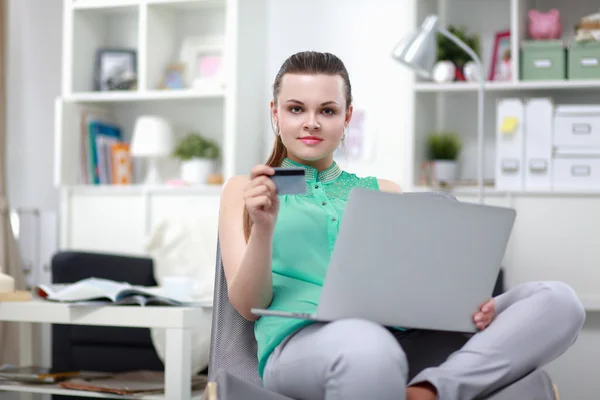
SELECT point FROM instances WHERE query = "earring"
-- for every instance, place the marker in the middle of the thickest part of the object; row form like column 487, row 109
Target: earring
column 275, row 128
column 344, row 133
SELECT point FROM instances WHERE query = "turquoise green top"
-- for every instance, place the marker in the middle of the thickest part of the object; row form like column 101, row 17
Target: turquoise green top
column 305, row 233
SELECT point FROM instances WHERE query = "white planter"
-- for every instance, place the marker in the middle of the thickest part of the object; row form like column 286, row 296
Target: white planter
column 445, row 170
column 197, row 170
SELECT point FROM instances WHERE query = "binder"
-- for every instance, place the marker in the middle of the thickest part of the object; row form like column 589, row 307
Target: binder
column 539, row 126
column 510, row 118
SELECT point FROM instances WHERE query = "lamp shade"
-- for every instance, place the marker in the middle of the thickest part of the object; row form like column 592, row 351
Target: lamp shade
column 152, row 137
column 418, row 50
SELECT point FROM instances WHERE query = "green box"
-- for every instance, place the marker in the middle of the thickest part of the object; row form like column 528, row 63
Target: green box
column 543, row 60
column 584, row 60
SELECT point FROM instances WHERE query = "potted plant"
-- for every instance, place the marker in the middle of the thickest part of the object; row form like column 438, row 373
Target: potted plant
column 198, row 157
column 447, row 50
column 443, row 150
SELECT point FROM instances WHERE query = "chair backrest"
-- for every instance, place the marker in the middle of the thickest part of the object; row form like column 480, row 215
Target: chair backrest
column 233, row 346
column 232, row 343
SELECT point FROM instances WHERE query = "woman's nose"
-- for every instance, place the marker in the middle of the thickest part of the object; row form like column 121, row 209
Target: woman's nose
column 312, row 123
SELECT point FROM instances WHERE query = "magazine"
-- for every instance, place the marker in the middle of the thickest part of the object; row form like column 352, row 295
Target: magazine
column 97, row 291
column 129, row 383
column 39, row 374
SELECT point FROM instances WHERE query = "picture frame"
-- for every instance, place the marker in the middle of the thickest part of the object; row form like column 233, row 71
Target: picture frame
column 203, row 60
column 115, row 69
column 501, row 65
column 174, row 77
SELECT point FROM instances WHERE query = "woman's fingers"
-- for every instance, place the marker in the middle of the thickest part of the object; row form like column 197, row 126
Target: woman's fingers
column 261, row 180
column 257, row 191
column 488, row 306
column 268, row 182
column 261, row 170
column 483, row 319
column 261, row 191
column 259, row 202
column 265, row 187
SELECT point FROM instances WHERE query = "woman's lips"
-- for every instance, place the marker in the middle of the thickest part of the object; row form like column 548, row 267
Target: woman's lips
column 310, row 140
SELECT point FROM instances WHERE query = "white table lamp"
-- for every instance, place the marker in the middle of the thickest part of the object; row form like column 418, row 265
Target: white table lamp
column 418, row 51
column 152, row 139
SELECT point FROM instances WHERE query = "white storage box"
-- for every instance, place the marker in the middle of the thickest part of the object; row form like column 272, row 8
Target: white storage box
column 576, row 173
column 577, row 126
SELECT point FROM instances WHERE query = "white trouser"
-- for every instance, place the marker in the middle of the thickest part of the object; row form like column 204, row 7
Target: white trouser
column 357, row 359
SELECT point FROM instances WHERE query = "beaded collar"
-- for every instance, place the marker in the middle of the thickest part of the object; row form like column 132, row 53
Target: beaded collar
column 312, row 175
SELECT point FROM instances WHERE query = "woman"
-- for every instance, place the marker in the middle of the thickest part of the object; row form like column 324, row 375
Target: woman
column 276, row 250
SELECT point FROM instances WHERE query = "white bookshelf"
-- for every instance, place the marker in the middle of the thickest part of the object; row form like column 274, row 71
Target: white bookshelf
column 552, row 236
column 453, row 106
column 231, row 114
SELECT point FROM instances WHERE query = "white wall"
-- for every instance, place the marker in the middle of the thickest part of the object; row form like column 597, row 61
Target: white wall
column 363, row 35
column 34, row 62
column 33, row 81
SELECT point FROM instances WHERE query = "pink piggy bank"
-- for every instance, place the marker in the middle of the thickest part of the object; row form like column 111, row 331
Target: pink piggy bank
column 544, row 25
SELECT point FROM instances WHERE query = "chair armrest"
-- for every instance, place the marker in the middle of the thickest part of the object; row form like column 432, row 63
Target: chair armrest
column 229, row 387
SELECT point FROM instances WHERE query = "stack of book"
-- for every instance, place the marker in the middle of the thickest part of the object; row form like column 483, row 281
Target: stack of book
column 105, row 155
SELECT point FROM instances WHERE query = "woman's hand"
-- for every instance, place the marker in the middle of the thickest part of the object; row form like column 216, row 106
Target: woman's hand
column 484, row 317
column 260, row 198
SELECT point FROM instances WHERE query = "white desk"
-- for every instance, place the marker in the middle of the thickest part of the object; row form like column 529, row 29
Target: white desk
column 177, row 321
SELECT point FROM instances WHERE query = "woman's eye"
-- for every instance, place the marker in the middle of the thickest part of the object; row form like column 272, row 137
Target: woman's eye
column 329, row 111
column 295, row 110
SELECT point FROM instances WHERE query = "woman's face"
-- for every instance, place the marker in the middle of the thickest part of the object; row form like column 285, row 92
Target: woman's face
column 311, row 116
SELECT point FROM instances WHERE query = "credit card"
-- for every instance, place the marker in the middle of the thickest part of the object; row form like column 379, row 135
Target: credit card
column 289, row 180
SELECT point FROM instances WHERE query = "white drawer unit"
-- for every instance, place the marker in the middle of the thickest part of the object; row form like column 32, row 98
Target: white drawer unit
column 578, row 173
column 577, row 126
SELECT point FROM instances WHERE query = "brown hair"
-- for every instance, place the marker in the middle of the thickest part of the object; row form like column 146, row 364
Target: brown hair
column 308, row 63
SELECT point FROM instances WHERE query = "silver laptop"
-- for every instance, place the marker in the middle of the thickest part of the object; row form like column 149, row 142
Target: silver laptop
column 412, row 260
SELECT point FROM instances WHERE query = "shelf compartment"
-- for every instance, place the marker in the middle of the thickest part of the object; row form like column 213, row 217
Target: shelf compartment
column 169, row 24
column 96, row 28
column 206, row 118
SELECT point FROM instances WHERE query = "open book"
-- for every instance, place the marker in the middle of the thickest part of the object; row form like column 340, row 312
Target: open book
column 94, row 291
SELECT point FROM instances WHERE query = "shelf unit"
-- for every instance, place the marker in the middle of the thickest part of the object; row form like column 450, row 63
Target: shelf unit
column 552, row 238
column 453, row 105
column 229, row 113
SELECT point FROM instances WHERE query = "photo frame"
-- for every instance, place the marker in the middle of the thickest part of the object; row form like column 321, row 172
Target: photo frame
column 203, row 60
column 174, row 77
column 115, row 69
column 501, row 65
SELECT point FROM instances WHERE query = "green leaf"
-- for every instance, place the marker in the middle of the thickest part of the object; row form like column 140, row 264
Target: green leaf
column 443, row 146
column 448, row 50
column 195, row 146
